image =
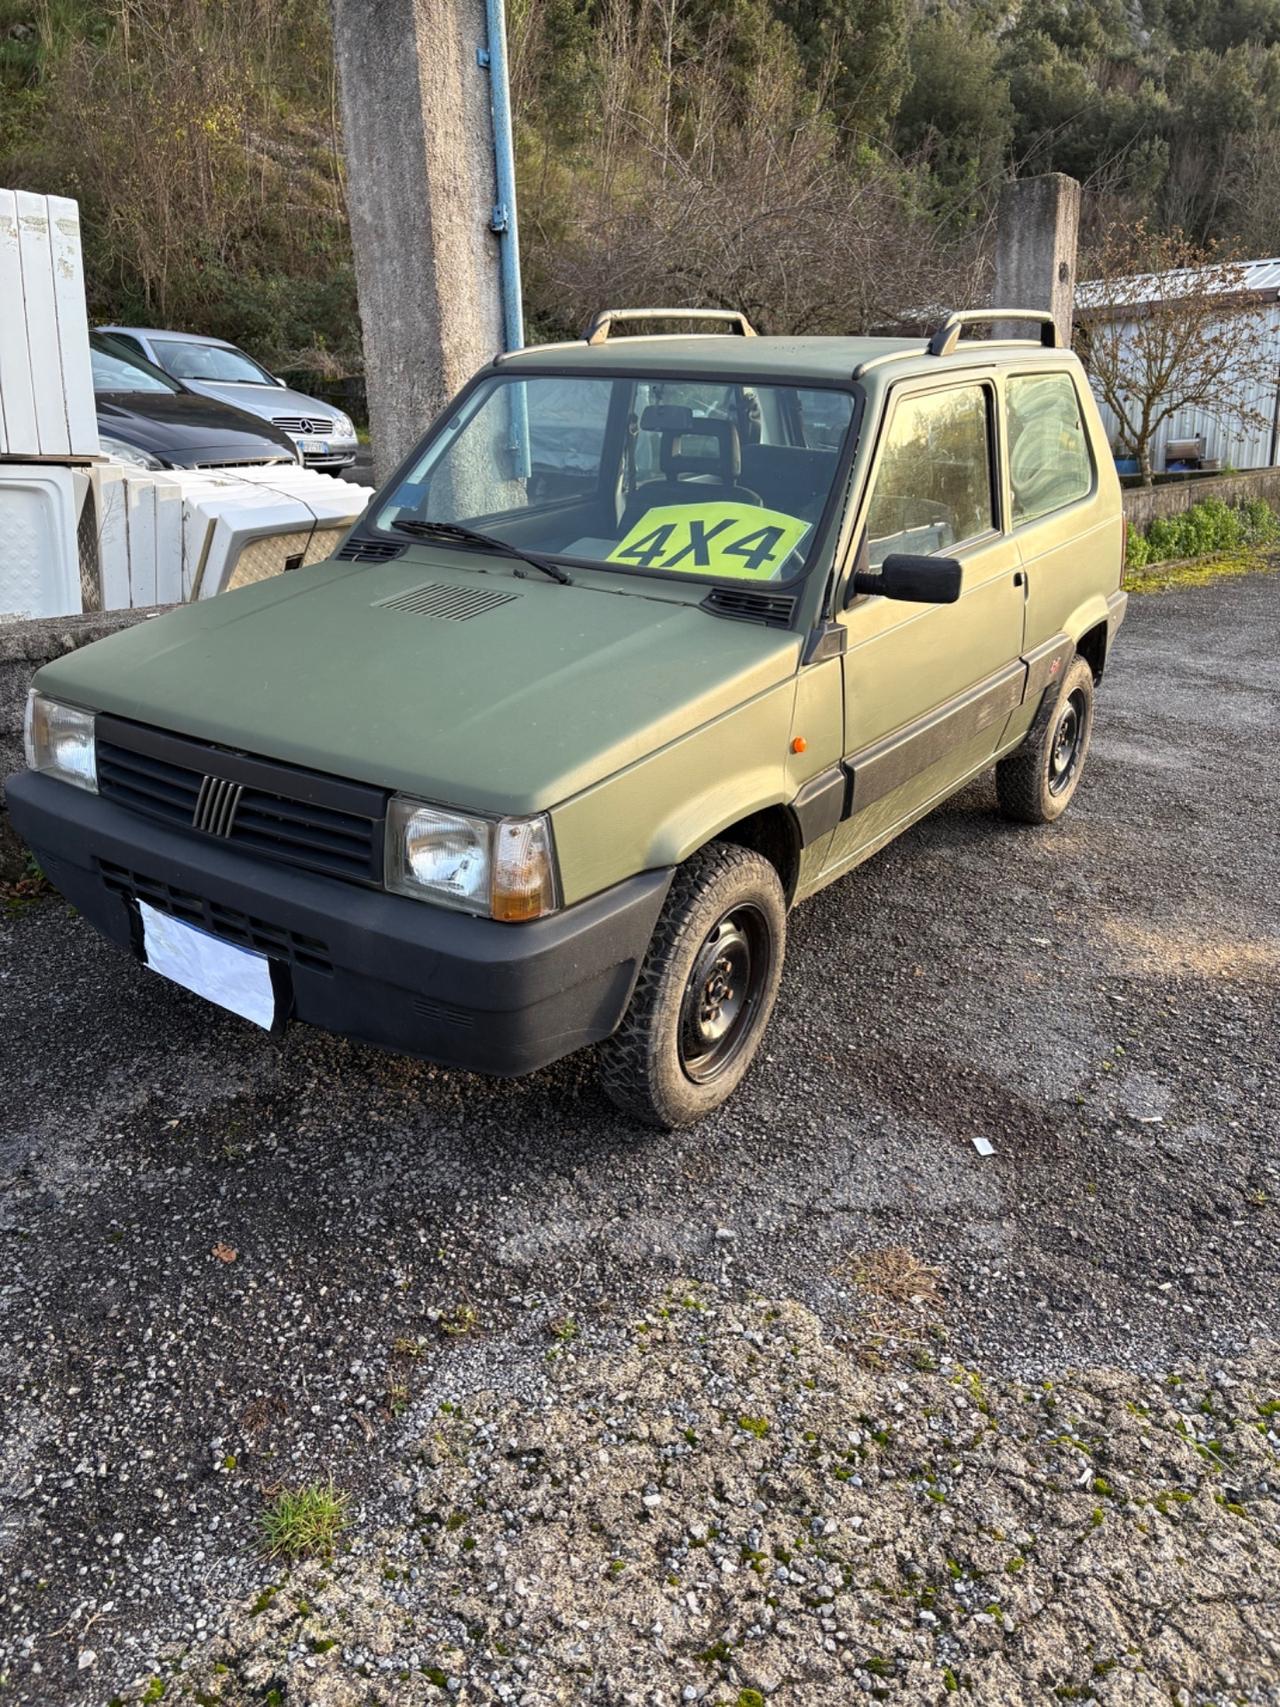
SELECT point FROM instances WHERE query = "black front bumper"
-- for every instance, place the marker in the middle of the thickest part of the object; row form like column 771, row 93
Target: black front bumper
column 398, row 973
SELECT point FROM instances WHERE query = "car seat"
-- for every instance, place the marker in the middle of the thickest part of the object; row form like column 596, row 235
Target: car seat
column 700, row 458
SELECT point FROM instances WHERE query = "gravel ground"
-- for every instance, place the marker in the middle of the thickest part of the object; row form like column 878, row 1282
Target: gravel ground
column 233, row 1264
column 719, row 1504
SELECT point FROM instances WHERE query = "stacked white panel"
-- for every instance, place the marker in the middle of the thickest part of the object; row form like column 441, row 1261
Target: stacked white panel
column 46, row 381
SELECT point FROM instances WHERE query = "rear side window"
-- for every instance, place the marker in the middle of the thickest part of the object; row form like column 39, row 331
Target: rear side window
column 1050, row 465
column 933, row 487
column 131, row 344
column 565, row 432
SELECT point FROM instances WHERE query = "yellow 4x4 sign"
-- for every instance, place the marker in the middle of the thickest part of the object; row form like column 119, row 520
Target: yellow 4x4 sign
column 716, row 538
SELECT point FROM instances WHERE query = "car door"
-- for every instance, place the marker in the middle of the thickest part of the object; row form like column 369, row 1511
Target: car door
column 1064, row 515
column 928, row 688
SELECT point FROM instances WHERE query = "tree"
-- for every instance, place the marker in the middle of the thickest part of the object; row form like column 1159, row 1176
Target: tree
column 956, row 113
column 1168, row 326
column 857, row 51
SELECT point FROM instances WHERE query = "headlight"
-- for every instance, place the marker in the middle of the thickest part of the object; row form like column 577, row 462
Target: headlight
column 344, row 426
column 122, row 452
column 59, row 741
column 501, row 867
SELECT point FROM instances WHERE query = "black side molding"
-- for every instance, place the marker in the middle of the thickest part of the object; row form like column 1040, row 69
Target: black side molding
column 888, row 763
column 821, row 804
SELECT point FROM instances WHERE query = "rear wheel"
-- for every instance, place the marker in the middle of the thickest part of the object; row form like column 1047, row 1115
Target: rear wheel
column 1036, row 784
column 705, row 992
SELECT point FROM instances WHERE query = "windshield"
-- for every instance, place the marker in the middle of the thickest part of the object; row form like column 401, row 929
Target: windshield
column 114, row 369
column 210, row 362
column 661, row 476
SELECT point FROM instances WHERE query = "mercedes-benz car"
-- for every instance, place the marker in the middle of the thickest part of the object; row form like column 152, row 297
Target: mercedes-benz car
column 149, row 420
column 212, row 367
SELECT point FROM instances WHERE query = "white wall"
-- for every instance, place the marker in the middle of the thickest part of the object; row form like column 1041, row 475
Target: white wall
column 1240, row 446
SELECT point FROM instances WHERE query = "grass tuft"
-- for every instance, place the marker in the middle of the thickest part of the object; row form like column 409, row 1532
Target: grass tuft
column 304, row 1521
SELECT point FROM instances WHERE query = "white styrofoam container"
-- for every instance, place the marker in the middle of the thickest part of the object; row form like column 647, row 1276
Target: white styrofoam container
column 170, row 535
column 46, row 380
column 39, row 561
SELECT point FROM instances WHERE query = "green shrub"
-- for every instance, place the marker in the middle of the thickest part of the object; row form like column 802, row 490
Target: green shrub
column 1137, row 552
column 1209, row 528
column 1260, row 523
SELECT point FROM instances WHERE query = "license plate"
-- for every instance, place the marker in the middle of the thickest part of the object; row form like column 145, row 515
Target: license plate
column 238, row 979
column 314, row 447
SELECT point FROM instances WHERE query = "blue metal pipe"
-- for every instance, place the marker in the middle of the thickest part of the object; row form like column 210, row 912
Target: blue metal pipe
column 504, row 220
column 504, row 212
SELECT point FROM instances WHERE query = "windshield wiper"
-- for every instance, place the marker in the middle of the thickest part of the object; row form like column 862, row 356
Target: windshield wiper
column 471, row 536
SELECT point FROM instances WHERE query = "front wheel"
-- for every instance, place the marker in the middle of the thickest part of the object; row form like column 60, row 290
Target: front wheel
column 1035, row 785
column 705, row 991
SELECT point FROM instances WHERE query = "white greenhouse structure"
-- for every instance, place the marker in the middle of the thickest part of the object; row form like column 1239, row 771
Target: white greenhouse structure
column 1230, row 443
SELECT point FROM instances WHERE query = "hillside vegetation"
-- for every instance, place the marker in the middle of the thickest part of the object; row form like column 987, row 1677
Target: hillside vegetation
column 823, row 165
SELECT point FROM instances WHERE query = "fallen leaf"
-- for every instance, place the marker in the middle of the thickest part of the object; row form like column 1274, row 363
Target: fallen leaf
column 225, row 1253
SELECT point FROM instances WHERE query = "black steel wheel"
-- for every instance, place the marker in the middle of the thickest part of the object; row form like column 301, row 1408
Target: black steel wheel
column 1068, row 740
column 1036, row 783
column 729, row 975
column 705, row 992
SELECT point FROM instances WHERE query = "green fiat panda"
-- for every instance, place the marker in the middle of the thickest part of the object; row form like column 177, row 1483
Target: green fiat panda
column 649, row 639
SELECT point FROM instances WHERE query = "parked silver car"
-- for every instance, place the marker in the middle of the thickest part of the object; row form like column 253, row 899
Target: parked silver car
column 325, row 437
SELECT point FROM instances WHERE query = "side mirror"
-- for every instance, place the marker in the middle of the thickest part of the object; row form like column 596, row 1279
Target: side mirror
column 915, row 580
column 282, row 383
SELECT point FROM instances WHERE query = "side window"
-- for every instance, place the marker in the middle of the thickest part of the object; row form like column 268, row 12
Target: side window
column 1049, row 460
column 565, row 429
column 933, row 487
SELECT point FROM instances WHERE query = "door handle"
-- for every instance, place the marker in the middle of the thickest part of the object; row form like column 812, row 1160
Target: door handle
column 1019, row 579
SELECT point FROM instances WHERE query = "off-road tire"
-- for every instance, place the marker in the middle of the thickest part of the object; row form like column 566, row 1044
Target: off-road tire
column 1026, row 785
column 641, row 1067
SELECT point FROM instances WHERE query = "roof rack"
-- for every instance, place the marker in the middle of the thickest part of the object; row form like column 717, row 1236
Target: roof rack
column 598, row 329
column 947, row 336
column 944, row 341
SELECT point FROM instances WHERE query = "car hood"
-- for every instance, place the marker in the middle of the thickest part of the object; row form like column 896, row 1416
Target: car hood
column 512, row 709
column 181, row 428
column 268, row 401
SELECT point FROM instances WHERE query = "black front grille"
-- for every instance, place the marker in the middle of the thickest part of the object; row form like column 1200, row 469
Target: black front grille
column 230, row 923
column 148, row 784
column 281, row 812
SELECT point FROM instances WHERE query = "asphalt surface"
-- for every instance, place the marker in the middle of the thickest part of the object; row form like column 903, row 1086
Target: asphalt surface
column 1097, row 999
column 361, row 470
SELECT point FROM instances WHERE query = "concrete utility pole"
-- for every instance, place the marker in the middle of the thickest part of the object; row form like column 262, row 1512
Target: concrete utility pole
column 1036, row 250
column 420, row 195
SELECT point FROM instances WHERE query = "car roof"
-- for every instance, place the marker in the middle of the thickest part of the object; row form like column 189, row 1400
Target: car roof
column 746, row 355
column 757, row 357
column 173, row 337
column 783, row 360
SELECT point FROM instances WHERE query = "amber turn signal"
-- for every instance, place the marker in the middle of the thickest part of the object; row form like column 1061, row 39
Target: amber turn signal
column 523, row 883
column 799, row 744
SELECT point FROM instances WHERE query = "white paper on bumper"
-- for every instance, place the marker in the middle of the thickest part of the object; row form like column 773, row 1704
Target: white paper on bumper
column 233, row 977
